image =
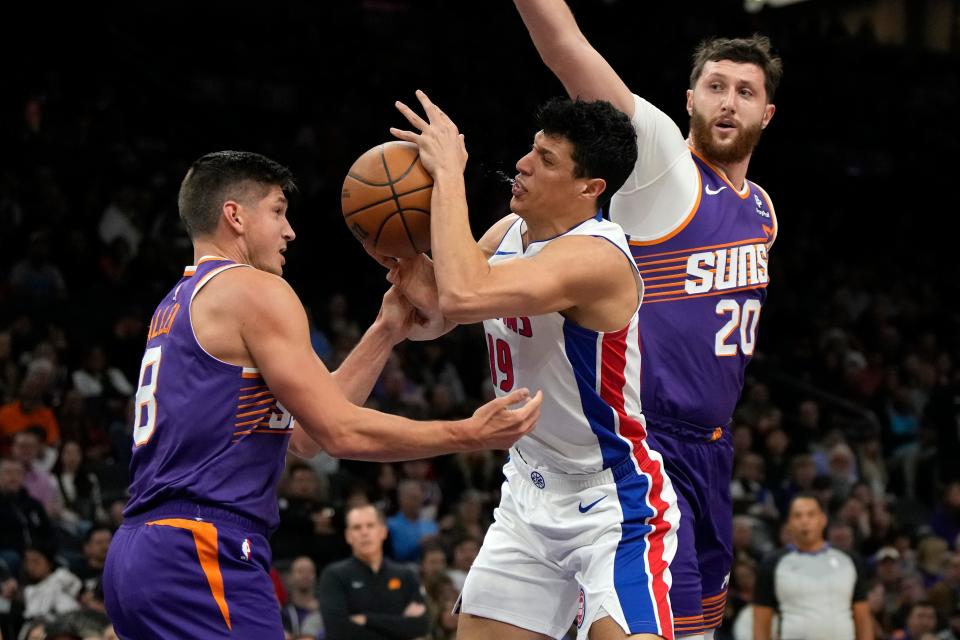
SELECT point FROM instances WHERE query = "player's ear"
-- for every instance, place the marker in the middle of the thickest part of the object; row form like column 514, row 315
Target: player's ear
column 689, row 102
column 768, row 112
column 593, row 187
column 230, row 212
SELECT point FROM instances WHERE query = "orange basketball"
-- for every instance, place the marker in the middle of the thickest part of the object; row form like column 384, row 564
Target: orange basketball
column 386, row 200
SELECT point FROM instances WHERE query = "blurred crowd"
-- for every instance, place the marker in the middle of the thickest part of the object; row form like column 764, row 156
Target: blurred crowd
column 854, row 393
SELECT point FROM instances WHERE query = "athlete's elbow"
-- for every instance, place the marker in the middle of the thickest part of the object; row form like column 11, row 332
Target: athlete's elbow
column 461, row 307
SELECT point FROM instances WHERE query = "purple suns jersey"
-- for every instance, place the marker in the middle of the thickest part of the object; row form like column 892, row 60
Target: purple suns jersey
column 705, row 284
column 205, row 431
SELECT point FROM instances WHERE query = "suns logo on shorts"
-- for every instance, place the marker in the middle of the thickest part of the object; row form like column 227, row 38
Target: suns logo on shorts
column 581, row 608
column 538, row 480
column 246, row 549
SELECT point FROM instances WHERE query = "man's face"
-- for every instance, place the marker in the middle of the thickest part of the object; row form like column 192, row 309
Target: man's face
column 365, row 532
column 11, row 476
column 806, row 522
column 303, row 574
column 545, row 180
column 303, row 484
column 25, row 448
column 267, row 230
column 923, row 619
column 96, row 549
column 728, row 110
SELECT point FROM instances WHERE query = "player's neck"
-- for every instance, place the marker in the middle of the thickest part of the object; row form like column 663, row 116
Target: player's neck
column 540, row 229
column 813, row 547
column 211, row 247
column 734, row 172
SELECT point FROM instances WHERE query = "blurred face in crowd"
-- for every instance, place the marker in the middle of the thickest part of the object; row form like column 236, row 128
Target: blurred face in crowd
column 11, row 476
column 840, row 536
column 922, row 619
column 888, row 571
column 465, row 553
column 434, row 562
column 804, row 472
column 36, row 566
column 410, row 497
column 71, row 456
column 95, row 550
column 303, row 483
column 303, row 574
column 26, row 447
column 807, row 521
column 366, row 533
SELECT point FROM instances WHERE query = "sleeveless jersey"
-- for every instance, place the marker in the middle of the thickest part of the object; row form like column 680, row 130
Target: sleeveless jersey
column 590, row 418
column 205, row 431
column 705, row 284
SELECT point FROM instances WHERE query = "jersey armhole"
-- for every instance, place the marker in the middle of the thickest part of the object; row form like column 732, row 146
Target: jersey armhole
column 246, row 371
column 773, row 217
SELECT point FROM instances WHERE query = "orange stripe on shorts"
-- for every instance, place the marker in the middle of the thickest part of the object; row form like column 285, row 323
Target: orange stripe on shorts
column 205, row 538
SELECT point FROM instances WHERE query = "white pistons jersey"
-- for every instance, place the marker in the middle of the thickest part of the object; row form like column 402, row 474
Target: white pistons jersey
column 590, row 419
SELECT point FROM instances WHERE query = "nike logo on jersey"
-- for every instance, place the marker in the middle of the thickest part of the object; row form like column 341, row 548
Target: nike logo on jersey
column 584, row 509
column 711, row 192
column 356, row 585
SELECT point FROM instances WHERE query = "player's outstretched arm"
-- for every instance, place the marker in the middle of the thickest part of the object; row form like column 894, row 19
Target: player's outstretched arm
column 566, row 51
column 274, row 329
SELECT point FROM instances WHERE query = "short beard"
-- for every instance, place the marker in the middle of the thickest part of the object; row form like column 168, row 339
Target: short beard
column 701, row 133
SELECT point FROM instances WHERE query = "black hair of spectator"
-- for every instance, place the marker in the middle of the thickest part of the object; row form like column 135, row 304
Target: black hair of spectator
column 222, row 175
column 93, row 531
column 381, row 516
column 603, row 139
column 807, row 495
column 753, row 50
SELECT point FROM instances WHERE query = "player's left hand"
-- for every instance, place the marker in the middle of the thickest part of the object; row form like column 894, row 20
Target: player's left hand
column 399, row 318
column 441, row 144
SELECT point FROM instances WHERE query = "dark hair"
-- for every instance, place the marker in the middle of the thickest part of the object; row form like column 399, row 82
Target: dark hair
column 218, row 176
column 603, row 138
column 381, row 516
column 806, row 495
column 753, row 50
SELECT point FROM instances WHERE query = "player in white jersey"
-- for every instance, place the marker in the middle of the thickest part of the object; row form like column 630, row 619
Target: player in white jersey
column 700, row 233
column 585, row 530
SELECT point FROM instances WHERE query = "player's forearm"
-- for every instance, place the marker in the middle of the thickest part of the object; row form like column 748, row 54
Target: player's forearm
column 359, row 371
column 862, row 621
column 302, row 445
column 365, row 434
column 762, row 618
column 552, row 28
column 459, row 263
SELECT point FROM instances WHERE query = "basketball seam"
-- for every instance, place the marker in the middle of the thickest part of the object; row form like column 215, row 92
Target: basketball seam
column 396, row 199
column 403, row 175
column 388, row 199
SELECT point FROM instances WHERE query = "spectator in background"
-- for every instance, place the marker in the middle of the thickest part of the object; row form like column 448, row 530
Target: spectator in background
column 410, row 527
column 307, row 525
column 97, row 379
column 819, row 592
column 368, row 596
column 433, row 563
column 301, row 615
column 464, row 553
column 952, row 632
column 946, row 516
column 79, row 488
column 29, row 409
column 36, row 277
column 945, row 595
column 38, row 482
column 87, row 428
column 50, row 589
column 750, row 495
column 921, row 620
column 932, row 557
column 90, row 568
column 23, row 520
column 840, row 535
column 9, row 372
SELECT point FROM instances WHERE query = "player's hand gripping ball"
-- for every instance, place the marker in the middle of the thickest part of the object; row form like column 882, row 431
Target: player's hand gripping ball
column 386, row 200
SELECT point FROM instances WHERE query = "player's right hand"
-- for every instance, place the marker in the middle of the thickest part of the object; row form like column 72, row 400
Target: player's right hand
column 499, row 426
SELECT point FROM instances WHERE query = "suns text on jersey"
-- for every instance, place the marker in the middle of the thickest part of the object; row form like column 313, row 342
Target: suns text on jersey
column 728, row 268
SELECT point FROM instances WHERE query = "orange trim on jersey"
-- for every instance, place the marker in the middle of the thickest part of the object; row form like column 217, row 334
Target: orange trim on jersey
column 704, row 295
column 646, row 264
column 713, row 598
column 258, row 402
column 680, row 267
column 189, row 271
column 259, row 386
column 698, row 618
column 250, row 376
column 205, row 539
column 675, row 283
column 672, row 276
column 210, row 259
column 246, row 422
column 713, row 246
column 720, row 174
column 255, row 412
column 254, row 395
column 683, row 225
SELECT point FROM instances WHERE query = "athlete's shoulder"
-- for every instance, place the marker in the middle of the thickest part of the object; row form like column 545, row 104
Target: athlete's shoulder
column 246, row 290
column 493, row 238
column 774, row 224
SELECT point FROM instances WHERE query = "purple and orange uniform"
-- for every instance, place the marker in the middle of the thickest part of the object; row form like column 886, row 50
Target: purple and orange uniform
column 192, row 558
column 701, row 245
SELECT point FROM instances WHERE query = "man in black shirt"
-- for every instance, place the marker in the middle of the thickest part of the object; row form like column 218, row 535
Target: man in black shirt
column 367, row 596
column 23, row 520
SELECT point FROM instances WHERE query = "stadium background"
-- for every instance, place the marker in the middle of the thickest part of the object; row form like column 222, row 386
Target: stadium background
column 854, row 390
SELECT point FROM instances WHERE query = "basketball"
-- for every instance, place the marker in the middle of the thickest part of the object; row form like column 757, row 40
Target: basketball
column 386, row 200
